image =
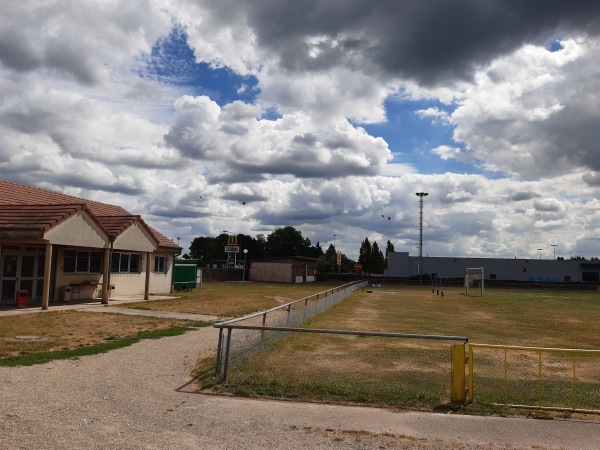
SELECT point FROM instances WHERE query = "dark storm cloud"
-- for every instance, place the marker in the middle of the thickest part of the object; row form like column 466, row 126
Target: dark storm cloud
column 521, row 196
column 15, row 51
column 592, row 179
column 429, row 41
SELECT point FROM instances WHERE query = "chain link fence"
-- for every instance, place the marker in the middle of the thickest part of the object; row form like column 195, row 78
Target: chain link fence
column 267, row 354
column 236, row 342
column 349, row 366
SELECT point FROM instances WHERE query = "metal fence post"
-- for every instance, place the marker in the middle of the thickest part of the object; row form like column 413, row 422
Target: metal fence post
column 219, row 348
column 470, row 373
column 227, row 347
column 304, row 311
column 458, row 373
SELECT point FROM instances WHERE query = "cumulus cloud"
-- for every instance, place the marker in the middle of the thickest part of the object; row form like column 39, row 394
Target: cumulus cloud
column 529, row 113
column 83, row 114
column 293, row 145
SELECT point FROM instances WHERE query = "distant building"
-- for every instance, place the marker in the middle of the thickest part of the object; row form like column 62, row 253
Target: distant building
column 297, row 269
column 400, row 264
column 59, row 248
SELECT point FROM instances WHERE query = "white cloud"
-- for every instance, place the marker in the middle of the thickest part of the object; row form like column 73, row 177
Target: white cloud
column 447, row 152
column 528, row 114
column 294, row 144
column 435, row 114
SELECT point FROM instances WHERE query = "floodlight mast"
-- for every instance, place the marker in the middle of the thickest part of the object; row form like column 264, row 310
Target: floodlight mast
column 421, row 195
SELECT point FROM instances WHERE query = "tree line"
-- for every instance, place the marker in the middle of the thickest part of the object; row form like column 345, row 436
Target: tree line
column 284, row 242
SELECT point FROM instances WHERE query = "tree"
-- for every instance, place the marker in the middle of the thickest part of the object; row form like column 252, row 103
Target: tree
column 388, row 249
column 364, row 254
column 206, row 249
column 288, row 241
column 578, row 258
column 376, row 260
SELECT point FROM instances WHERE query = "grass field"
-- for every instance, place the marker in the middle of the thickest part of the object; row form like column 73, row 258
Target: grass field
column 235, row 299
column 415, row 373
column 65, row 334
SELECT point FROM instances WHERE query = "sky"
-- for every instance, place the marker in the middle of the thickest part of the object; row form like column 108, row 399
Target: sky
column 325, row 115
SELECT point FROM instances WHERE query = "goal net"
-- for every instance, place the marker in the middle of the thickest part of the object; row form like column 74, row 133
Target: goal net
column 474, row 279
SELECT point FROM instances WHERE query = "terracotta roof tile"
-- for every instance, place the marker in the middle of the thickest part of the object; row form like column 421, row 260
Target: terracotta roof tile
column 33, row 208
column 35, row 217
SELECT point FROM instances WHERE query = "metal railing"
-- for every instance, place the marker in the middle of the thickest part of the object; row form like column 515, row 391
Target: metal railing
column 233, row 349
column 535, row 377
column 393, row 369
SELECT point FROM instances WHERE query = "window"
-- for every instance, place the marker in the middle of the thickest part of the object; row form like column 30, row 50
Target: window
column 159, row 264
column 125, row 263
column 82, row 262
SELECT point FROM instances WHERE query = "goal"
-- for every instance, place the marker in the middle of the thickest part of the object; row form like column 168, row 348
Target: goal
column 474, row 277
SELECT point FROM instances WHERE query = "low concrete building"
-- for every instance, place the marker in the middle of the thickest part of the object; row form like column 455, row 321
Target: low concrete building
column 296, row 269
column 400, row 264
column 60, row 248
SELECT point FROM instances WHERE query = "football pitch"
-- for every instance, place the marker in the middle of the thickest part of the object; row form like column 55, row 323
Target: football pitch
column 411, row 373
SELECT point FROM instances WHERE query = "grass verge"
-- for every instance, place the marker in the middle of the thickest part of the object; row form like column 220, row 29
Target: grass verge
column 44, row 357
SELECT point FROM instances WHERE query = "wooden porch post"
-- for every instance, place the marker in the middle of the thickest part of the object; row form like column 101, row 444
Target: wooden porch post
column 147, row 286
column 47, row 275
column 105, row 269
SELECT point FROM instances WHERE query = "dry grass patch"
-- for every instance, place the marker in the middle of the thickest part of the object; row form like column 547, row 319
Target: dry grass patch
column 66, row 330
column 234, row 299
column 414, row 373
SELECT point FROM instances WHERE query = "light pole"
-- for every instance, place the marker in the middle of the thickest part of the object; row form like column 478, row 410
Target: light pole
column 554, row 248
column 334, row 241
column 421, row 195
column 540, row 250
column 244, row 271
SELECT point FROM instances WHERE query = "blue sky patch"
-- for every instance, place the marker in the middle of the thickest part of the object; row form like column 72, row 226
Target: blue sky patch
column 172, row 61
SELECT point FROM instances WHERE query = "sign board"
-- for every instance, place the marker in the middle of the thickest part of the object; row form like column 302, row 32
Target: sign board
column 232, row 249
column 339, row 258
column 358, row 267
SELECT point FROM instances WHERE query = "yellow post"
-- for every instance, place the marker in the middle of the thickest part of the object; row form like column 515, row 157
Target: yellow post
column 458, row 393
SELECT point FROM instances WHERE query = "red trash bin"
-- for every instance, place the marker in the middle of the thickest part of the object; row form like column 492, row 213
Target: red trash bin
column 21, row 299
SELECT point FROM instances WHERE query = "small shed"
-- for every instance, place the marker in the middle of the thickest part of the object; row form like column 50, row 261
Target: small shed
column 293, row 269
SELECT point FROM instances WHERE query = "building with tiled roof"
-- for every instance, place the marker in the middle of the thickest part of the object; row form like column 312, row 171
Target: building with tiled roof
column 57, row 247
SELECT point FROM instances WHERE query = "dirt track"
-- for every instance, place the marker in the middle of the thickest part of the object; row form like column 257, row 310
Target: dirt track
column 136, row 398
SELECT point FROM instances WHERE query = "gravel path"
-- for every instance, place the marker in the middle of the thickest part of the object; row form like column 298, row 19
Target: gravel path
column 137, row 398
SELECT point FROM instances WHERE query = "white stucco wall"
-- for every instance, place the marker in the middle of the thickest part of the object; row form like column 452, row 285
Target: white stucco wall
column 79, row 230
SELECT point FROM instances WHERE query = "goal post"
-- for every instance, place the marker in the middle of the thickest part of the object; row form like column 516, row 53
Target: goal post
column 473, row 277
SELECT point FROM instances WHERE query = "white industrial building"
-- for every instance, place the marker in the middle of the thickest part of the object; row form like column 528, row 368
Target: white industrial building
column 401, row 264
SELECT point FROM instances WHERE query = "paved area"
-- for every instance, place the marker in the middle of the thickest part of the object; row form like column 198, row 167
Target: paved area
column 98, row 307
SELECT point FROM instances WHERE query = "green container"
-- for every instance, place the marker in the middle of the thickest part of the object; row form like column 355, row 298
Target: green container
column 184, row 277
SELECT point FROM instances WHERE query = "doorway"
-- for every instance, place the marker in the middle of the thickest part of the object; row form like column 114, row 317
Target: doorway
column 22, row 268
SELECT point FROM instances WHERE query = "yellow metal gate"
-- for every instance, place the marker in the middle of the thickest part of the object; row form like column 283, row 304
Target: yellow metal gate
column 535, row 377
